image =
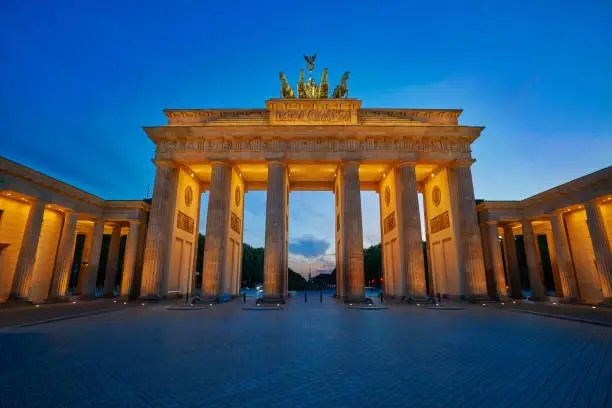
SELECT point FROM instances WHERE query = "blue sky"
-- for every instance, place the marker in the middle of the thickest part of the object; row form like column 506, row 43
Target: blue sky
column 79, row 78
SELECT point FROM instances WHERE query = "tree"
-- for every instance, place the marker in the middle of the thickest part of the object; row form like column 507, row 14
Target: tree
column 372, row 263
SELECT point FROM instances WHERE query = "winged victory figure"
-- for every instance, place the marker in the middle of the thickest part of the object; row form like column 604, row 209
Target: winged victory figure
column 310, row 61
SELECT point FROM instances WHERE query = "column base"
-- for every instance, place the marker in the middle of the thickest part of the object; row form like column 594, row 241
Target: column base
column 418, row 299
column 88, row 297
column 62, row 299
column 271, row 299
column 150, row 298
column 568, row 300
column 538, row 298
column 108, row 295
column 607, row 303
column 477, row 298
column 358, row 299
column 213, row 299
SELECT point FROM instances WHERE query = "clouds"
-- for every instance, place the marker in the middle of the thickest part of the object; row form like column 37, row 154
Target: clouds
column 308, row 246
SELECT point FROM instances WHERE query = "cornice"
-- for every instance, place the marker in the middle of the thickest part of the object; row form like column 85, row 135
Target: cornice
column 30, row 175
column 601, row 178
column 26, row 173
column 158, row 133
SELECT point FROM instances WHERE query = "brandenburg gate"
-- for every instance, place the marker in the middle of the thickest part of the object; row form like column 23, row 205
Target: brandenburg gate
column 311, row 141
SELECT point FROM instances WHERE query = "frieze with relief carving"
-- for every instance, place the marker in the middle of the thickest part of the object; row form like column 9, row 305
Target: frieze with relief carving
column 368, row 144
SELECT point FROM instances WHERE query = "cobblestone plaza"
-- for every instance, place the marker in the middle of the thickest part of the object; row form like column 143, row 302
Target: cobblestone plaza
column 308, row 354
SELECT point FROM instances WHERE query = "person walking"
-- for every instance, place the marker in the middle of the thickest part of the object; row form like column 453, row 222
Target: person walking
column 244, row 294
column 382, row 297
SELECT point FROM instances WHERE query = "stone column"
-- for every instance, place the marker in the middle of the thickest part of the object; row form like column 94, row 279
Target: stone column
column 533, row 263
column 129, row 260
column 601, row 247
column 469, row 232
column 497, row 263
column 486, row 254
column 412, row 247
column 65, row 256
column 158, row 231
column 352, row 233
column 274, row 257
column 111, row 263
column 552, row 253
column 27, row 253
column 514, row 273
column 217, row 224
column 91, row 274
column 567, row 275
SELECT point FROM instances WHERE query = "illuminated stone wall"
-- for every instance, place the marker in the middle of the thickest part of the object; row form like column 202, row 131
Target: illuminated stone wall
column 444, row 253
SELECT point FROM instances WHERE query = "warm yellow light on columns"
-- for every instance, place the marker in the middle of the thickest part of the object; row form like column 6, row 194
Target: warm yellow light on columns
column 601, row 247
column 496, row 260
column 27, row 253
column 91, row 273
column 412, row 247
column 564, row 258
column 352, row 232
column 65, row 256
column 111, row 263
column 276, row 226
column 514, row 274
column 158, row 231
column 217, row 224
column 129, row 260
column 535, row 273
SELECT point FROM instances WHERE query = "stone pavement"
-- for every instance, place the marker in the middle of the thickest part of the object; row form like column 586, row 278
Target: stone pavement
column 580, row 312
column 307, row 355
column 17, row 313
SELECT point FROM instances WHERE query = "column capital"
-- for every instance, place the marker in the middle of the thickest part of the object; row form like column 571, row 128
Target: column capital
column 276, row 163
column 217, row 163
column 492, row 222
column 406, row 164
column 349, row 163
column 135, row 222
column 164, row 163
column 461, row 163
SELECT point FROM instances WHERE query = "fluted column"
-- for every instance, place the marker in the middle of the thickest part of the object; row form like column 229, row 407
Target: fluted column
column 486, row 255
column 159, row 231
column 65, row 256
column 91, row 273
column 129, row 260
column 111, row 264
column 352, row 232
column 601, row 247
column 27, row 254
column 412, row 247
column 552, row 253
column 469, row 233
column 514, row 274
column 274, row 256
column 533, row 263
column 567, row 275
column 217, row 224
column 497, row 263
